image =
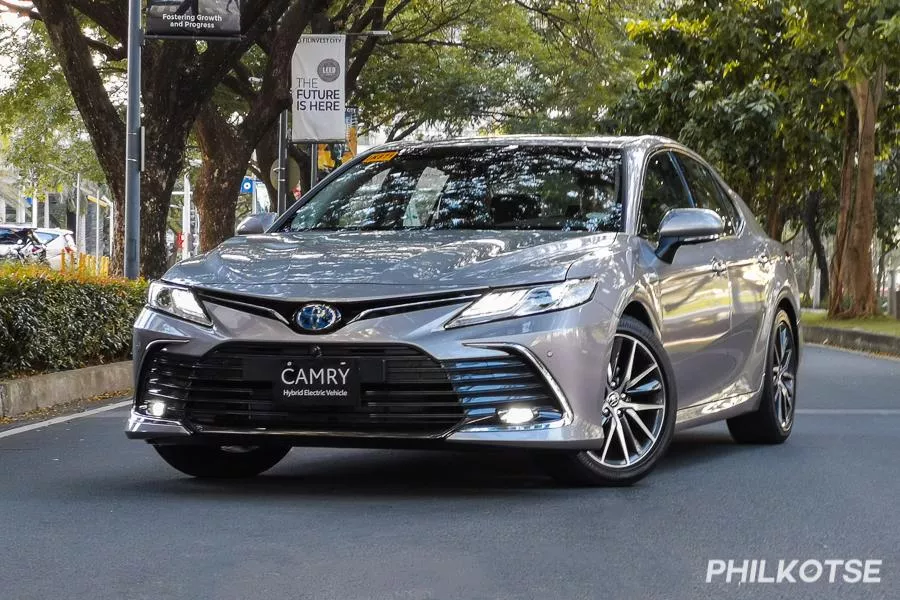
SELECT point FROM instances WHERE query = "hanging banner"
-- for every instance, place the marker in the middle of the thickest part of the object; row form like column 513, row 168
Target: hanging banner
column 194, row 18
column 318, row 71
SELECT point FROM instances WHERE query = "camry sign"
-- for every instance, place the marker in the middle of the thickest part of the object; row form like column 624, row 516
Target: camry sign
column 317, row 88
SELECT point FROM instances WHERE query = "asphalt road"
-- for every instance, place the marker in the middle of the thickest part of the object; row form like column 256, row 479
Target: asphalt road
column 85, row 513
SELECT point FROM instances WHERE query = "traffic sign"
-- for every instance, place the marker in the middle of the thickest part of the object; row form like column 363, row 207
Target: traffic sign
column 247, row 185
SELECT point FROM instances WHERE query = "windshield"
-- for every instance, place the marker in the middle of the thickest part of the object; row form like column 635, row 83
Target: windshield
column 474, row 187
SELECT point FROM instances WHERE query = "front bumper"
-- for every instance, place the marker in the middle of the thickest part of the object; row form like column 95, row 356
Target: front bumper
column 566, row 352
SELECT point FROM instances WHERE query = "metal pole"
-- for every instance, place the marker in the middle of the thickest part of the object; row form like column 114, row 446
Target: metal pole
column 2, row 209
column 281, row 203
column 132, row 258
column 313, row 164
column 893, row 309
column 97, row 233
column 186, row 244
column 112, row 226
column 254, row 199
column 35, row 207
column 47, row 212
column 20, row 205
column 77, row 207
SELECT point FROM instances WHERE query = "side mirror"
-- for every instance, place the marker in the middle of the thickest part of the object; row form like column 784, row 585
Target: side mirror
column 257, row 223
column 687, row 226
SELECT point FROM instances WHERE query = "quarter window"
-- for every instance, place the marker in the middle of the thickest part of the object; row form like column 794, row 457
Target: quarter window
column 663, row 191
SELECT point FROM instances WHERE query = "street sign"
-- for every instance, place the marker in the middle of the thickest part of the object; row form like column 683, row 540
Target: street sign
column 293, row 173
column 247, row 185
column 194, row 18
column 318, row 74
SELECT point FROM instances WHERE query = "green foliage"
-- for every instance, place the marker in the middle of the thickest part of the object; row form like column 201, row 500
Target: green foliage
column 39, row 122
column 52, row 321
column 725, row 79
column 512, row 66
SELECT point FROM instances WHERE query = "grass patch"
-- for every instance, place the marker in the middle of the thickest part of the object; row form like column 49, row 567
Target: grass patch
column 881, row 324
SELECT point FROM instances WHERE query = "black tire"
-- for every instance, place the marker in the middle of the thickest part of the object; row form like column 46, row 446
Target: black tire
column 583, row 468
column 222, row 461
column 765, row 425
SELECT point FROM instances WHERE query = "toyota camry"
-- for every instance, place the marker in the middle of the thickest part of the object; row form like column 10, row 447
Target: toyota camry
column 581, row 298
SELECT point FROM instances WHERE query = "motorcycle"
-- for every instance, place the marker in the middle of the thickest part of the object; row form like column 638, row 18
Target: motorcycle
column 22, row 246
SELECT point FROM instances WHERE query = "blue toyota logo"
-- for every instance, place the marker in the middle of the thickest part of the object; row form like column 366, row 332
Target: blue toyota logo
column 317, row 317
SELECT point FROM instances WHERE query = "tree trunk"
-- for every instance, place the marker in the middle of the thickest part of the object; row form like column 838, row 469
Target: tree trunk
column 225, row 159
column 266, row 155
column 810, row 211
column 857, row 277
column 845, row 210
column 216, row 197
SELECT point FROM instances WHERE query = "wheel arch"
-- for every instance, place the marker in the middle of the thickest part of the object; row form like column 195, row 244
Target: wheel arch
column 640, row 309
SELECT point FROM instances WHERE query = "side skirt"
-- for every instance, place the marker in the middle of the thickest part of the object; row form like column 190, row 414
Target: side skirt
column 717, row 410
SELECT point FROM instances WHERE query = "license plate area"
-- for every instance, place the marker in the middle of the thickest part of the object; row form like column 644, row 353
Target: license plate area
column 301, row 382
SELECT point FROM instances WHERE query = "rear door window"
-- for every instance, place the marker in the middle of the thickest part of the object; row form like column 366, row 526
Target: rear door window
column 706, row 193
column 45, row 236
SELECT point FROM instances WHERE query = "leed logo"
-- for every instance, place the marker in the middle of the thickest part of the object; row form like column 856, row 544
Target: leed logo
column 329, row 70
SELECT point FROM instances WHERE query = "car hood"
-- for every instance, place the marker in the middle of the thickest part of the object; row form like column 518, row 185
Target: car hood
column 287, row 263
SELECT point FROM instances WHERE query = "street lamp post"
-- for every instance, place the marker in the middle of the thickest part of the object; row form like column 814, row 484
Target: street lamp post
column 132, row 258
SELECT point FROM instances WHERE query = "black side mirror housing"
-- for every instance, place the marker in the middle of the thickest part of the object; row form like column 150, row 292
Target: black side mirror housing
column 683, row 226
column 258, row 223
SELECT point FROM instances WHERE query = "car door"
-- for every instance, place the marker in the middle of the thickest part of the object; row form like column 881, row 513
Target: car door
column 749, row 271
column 693, row 290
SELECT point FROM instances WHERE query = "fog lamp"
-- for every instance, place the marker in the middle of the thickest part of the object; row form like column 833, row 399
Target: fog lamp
column 517, row 415
column 156, row 408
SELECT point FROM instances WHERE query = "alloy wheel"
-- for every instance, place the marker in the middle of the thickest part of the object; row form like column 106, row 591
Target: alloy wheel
column 634, row 405
column 783, row 375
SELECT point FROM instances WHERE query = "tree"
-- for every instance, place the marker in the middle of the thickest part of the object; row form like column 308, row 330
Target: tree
column 863, row 36
column 723, row 79
column 89, row 38
column 40, row 124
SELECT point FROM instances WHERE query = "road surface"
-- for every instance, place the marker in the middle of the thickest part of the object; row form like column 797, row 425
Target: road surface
column 85, row 513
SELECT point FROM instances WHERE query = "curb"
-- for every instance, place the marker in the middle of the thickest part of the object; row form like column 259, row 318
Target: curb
column 19, row 396
column 852, row 339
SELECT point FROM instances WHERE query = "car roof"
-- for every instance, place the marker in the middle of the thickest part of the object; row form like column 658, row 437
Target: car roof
column 56, row 230
column 624, row 142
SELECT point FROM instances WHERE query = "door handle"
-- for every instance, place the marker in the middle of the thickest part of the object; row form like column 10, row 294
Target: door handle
column 718, row 266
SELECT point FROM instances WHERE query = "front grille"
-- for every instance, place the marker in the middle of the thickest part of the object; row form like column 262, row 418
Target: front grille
column 286, row 310
column 403, row 390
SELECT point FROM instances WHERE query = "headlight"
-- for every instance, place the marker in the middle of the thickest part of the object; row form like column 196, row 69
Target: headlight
column 504, row 304
column 176, row 301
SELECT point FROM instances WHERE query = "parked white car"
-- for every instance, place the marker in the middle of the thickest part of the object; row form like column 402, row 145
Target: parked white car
column 56, row 241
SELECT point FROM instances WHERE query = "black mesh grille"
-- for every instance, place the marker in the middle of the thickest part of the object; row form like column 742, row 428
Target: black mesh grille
column 403, row 390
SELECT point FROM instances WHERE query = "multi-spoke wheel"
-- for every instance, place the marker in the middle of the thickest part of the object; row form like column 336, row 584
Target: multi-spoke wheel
column 634, row 408
column 637, row 408
column 771, row 423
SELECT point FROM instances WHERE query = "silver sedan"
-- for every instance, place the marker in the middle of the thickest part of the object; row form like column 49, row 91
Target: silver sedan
column 582, row 298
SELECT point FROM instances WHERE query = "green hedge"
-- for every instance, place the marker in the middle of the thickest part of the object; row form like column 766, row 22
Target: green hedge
column 52, row 321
